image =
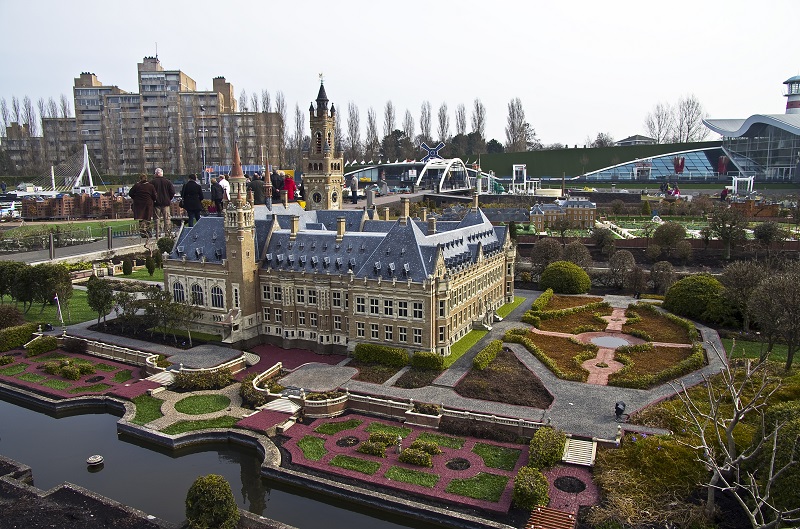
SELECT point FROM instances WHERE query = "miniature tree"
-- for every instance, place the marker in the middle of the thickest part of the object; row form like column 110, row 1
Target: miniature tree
column 210, row 504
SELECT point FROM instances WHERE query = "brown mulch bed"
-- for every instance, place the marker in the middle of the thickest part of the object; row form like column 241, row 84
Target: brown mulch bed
column 570, row 322
column 417, row 378
column 658, row 360
column 567, row 302
column 505, row 380
column 374, row 373
column 659, row 327
column 561, row 350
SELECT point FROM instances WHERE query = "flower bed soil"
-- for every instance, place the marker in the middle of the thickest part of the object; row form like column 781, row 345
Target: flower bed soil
column 570, row 322
column 374, row 373
column 505, row 380
column 560, row 350
column 659, row 327
column 558, row 302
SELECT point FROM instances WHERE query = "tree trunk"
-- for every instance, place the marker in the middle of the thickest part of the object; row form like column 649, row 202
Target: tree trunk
column 710, row 501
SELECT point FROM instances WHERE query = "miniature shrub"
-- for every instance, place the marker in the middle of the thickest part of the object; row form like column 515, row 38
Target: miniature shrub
column 416, row 457
column 40, row 345
column 127, row 267
column 210, row 504
column 381, row 354
column 74, row 345
column 520, row 336
column 580, row 329
column 693, row 296
column 325, row 395
column 85, row 369
column 427, row 409
column 13, row 337
column 52, row 368
column 10, row 316
column 150, row 265
column 429, row 447
column 383, row 437
column 541, row 302
column 623, row 379
column 427, row 361
column 250, row 396
column 530, row 489
column 565, row 278
column 485, row 357
column 640, row 334
column 372, row 448
column 6, row 359
column 547, row 447
column 525, row 277
column 71, row 372
column 202, row 380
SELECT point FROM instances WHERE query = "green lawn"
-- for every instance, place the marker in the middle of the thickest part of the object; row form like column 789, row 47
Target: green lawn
column 56, row 384
column 442, row 440
column 14, row 369
column 484, row 486
column 332, row 428
column 105, row 367
column 394, row 430
column 94, row 388
column 200, row 404
column 188, row 426
column 31, row 377
column 147, row 409
column 123, row 376
column 415, row 477
column 753, row 349
column 77, row 311
column 497, row 456
column 313, row 447
column 356, row 463
column 458, row 349
column 506, row 309
column 143, row 275
column 97, row 227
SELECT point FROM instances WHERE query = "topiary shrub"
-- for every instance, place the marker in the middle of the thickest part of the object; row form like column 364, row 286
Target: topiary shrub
column 381, row 354
column 487, row 354
column 565, row 278
column 150, row 265
column 250, row 397
column 70, row 372
column 127, row 267
column 383, row 437
column 40, row 345
column 530, row 489
column 210, row 504
column 13, row 337
column 372, row 448
column 429, row 447
column 547, row 447
column 85, row 369
column 165, row 244
column 412, row 456
column 203, row 380
column 6, row 359
column 692, row 296
column 427, row 361
column 74, row 345
column 52, row 368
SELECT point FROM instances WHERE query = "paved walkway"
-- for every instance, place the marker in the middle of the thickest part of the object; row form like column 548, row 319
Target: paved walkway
column 81, row 252
column 171, row 415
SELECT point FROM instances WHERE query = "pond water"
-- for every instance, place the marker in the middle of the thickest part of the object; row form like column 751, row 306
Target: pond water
column 156, row 481
column 610, row 341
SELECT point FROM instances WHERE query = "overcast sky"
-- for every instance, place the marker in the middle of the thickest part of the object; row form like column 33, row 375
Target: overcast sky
column 579, row 67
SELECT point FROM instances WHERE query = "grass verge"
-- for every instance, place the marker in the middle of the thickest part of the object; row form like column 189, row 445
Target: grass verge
column 484, row 486
column 200, row 404
column 31, row 377
column 123, row 376
column 14, row 369
column 394, row 430
column 497, row 456
column 356, row 463
column 415, row 477
column 313, row 447
column 442, row 440
column 56, row 384
column 506, row 309
column 105, row 367
column 332, row 428
column 148, row 409
column 462, row 346
column 746, row 349
column 188, row 426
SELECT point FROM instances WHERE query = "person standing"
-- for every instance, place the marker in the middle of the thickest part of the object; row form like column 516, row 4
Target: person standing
column 164, row 193
column 217, row 194
column 354, row 189
column 290, row 187
column 226, row 189
column 192, row 196
column 144, row 196
column 256, row 185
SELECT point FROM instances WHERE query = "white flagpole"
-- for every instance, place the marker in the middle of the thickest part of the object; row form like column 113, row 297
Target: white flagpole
column 60, row 315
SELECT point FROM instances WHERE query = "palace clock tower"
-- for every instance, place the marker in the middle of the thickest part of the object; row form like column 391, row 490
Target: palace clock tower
column 322, row 165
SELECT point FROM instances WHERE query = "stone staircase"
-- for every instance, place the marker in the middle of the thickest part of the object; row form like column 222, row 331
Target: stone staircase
column 545, row 518
column 284, row 405
column 165, row 378
column 579, row 452
column 251, row 359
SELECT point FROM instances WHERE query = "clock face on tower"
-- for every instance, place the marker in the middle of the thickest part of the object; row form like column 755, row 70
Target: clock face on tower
column 334, row 197
column 316, row 197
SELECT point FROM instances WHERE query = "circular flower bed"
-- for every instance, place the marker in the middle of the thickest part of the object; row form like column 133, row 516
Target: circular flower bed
column 569, row 484
column 200, row 404
column 458, row 463
column 350, row 440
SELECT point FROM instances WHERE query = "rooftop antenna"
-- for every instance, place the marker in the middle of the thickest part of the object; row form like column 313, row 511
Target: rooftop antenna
column 156, row 50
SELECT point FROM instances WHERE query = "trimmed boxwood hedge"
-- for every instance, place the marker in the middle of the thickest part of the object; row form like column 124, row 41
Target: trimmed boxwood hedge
column 427, row 361
column 372, row 448
column 383, row 437
column 530, row 489
column 203, row 380
column 13, row 337
column 485, row 357
column 381, row 354
column 429, row 447
column 541, row 302
column 621, row 378
column 412, row 456
column 520, row 336
column 547, row 447
column 40, row 345
column 565, row 277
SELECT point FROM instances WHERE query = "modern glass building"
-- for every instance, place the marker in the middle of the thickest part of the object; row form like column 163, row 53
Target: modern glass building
column 698, row 165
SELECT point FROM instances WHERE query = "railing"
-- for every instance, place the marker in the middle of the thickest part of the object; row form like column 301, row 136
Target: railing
column 376, row 401
column 269, row 373
column 322, row 403
column 116, row 352
column 494, row 419
column 235, row 365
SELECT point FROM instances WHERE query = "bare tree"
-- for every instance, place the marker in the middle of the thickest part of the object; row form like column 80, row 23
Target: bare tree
column 52, row 108
column 576, row 252
column 478, row 118
column 689, row 120
column 425, row 121
column 16, row 110
column 372, row 144
column 337, row 134
column 41, row 106
column 353, row 131
column 775, row 306
column 388, row 119
column 266, row 101
column 5, row 116
column 740, row 279
column 408, row 130
column 660, row 123
column 712, row 422
column 299, row 135
column 461, row 119
column 603, row 139
column 243, row 107
column 283, row 118
column 65, row 106
column 444, row 123
column 29, row 116
column 620, row 265
column 520, row 136
column 254, row 100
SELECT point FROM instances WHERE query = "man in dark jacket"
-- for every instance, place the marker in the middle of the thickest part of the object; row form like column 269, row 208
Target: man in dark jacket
column 164, row 193
column 256, row 185
column 192, row 196
column 217, row 194
column 144, row 196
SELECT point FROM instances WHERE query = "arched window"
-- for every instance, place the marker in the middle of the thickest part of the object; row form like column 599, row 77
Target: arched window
column 178, row 293
column 216, row 298
column 197, row 295
column 319, row 142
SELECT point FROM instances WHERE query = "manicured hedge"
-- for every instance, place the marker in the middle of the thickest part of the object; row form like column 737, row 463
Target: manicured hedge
column 622, row 377
column 520, row 336
column 694, row 334
column 6, row 359
column 534, row 317
column 565, row 277
column 693, row 296
column 530, row 489
column 547, row 447
column 40, row 345
column 473, row 428
column 413, row 456
column 429, row 447
column 210, row 503
column 74, row 345
column 13, row 337
column 427, row 361
column 372, row 448
column 383, row 437
column 203, row 380
column 381, row 354
column 541, row 302
column 250, row 396
column 485, row 357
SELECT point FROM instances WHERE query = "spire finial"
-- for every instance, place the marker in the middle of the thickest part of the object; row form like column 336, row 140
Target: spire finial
column 321, row 78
